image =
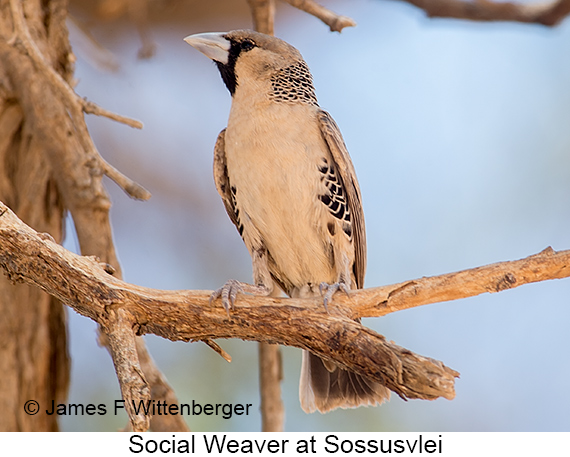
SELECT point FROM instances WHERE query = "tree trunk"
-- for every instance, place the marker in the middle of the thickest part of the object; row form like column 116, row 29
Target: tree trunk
column 33, row 338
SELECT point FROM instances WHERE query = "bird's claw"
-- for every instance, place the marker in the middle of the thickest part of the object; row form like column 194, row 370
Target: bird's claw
column 332, row 289
column 228, row 293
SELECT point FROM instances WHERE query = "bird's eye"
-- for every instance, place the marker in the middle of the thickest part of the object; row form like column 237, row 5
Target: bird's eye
column 247, row 45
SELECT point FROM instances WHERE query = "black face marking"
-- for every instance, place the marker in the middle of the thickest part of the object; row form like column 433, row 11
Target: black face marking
column 335, row 198
column 228, row 70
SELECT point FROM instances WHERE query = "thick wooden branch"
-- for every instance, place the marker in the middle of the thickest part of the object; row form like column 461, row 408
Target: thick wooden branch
column 123, row 348
column 548, row 13
column 83, row 284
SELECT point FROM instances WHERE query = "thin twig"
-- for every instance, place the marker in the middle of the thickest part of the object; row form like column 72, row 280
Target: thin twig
column 216, row 347
column 90, row 49
column 132, row 188
column 76, row 104
column 22, row 32
column 335, row 22
column 92, row 108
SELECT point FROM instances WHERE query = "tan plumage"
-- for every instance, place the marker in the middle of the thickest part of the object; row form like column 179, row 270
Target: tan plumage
column 288, row 184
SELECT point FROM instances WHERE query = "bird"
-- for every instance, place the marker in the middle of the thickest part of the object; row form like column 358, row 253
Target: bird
column 289, row 186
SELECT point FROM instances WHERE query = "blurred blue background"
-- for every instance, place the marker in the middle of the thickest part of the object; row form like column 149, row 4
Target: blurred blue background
column 460, row 135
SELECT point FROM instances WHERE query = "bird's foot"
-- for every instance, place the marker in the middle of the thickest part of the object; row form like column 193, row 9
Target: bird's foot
column 228, row 292
column 331, row 289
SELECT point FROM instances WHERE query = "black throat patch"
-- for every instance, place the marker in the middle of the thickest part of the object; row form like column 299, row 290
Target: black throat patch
column 228, row 70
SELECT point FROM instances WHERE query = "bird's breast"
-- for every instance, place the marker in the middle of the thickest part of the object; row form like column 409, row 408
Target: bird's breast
column 273, row 153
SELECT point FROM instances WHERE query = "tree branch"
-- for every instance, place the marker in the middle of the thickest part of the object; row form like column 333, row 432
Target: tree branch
column 123, row 348
column 55, row 113
column 160, row 390
column 549, row 13
column 82, row 283
column 335, row 22
column 75, row 104
column 263, row 12
column 379, row 301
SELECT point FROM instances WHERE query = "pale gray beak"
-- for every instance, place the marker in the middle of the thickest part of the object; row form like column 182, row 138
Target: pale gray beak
column 212, row 45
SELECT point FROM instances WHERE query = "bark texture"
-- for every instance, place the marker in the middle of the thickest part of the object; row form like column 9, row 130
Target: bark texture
column 33, row 349
column 83, row 284
column 49, row 165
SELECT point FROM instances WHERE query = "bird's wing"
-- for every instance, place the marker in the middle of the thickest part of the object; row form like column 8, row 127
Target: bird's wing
column 223, row 182
column 331, row 134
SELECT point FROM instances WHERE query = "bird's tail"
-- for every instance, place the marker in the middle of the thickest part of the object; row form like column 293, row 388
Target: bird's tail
column 324, row 386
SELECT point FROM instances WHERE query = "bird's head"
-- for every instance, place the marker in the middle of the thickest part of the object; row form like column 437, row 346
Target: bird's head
column 246, row 55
